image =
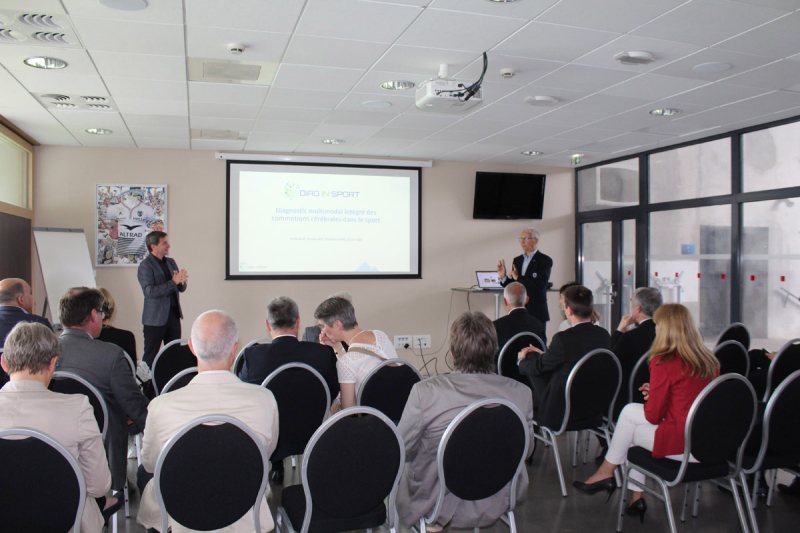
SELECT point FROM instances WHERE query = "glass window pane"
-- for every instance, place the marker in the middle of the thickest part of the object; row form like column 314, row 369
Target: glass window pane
column 694, row 171
column 597, row 267
column 628, row 263
column 609, row 186
column 769, row 158
column 13, row 173
column 690, row 259
column 770, row 282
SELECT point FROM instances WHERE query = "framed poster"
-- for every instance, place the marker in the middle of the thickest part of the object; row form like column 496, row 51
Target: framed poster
column 125, row 215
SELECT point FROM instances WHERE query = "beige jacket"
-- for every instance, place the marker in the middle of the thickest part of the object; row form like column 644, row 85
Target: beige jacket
column 209, row 393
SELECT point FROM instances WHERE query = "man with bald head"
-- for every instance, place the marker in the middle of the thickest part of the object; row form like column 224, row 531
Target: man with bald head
column 215, row 390
column 518, row 318
column 16, row 305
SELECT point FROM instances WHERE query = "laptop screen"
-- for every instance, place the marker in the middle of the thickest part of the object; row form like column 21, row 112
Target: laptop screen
column 488, row 279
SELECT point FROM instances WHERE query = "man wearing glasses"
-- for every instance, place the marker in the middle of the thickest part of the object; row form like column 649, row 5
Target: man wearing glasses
column 532, row 269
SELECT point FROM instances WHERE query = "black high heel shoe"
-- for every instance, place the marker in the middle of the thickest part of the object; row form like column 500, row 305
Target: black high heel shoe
column 639, row 507
column 609, row 485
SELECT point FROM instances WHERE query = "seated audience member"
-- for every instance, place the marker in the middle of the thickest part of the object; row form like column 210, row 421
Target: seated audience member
column 548, row 371
column 311, row 333
column 565, row 323
column 283, row 323
column 214, row 391
column 518, row 318
column 433, row 404
column 16, row 305
column 121, row 337
column 105, row 366
column 31, row 352
column 680, row 368
column 366, row 349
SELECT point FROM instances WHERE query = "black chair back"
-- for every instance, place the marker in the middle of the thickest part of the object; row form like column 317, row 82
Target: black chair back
column 203, row 494
column 3, row 376
column 180, row 380
column 387, row 387
column 781, row 417
column 69, row 383
column 785, row 362
column 172, row 358
column 592, row 388
column 35, row 469
column 733, row 358
column 304, row 402
column 507, row 361
column 483, row 450
column 736, row 332
column 639, row 376
column 238, row 363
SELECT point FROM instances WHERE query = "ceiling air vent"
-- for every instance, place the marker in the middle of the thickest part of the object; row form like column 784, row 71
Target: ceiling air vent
column 98, row 106
column 218, row 135
column 50, row 38
column 46, row 22
column 231, row 72
column 94, row 99
column 10, row 36
column 228, row 71
column 57, row 97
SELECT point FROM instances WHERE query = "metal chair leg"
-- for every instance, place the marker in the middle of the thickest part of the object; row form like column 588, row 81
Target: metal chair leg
column 754, row 495
column 586, row 450
column 668, row 504
column 294, row 461
column 624, row 486
column 552, row 438
column 138, row 443
column 696, row 500
column 114, row 522
column 750, row 504
column 685, row 503
column 739, row 508
column 127, row 500
column 575, row 448
column 512, row 522
column 771, row 487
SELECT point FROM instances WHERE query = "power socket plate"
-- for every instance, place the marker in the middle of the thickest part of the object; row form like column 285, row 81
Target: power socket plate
column 421, row 341
column 401, row 341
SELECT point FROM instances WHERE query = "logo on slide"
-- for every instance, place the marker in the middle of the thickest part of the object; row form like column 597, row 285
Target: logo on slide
column 292, row 190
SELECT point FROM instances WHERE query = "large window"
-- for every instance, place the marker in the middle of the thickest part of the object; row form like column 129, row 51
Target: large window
column 609, row 186
column 14, row 173
column 694, row 171
column 771, row 158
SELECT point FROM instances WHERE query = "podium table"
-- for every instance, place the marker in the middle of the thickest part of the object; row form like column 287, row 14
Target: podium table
column 498, row 296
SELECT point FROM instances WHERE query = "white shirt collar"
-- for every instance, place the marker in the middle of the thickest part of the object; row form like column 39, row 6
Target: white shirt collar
column 589, row 320
column 284, row 335
column 215, row 372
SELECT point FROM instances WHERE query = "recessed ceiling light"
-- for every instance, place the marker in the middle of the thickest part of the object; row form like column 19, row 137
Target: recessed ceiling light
column 531, row 152
column 666, row 112
column 125, row 5
column 376, row 104
column 541, row 100
column 333, row 141
column 635, row 57
column 45, row 62
column 711, row 68
column 397, row 85
column 99, row 131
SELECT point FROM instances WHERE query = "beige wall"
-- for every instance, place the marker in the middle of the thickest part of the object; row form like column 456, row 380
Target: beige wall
column 453, row 244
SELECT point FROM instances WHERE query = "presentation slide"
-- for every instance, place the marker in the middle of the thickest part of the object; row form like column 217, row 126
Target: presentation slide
column 309, row 221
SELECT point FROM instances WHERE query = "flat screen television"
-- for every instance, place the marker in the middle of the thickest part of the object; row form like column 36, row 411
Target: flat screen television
column 501, row 195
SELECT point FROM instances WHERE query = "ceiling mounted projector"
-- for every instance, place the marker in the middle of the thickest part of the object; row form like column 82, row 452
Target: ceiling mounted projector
column 445, row 95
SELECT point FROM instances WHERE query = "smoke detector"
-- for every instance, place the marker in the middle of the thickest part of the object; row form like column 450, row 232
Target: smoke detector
column 635, row 57
column 236, row 48
column 507, row 73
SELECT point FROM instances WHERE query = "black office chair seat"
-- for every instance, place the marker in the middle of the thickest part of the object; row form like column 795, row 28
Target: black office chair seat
column 172, row 358
column 668, row 468
column 587, row 423
column 293, row 500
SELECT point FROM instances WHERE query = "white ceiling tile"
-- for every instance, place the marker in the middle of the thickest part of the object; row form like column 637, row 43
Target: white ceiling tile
column 227, row 93
column 344, row 131
column 665, row 52
column 567, row 118
column 778, row 4
column 48, row 81
column 403, row 134
column 630, row 121
column 274, row 142
column 429, row 149
column 303, row 98
column 47, row 6
column 217, row 144
column 55, row 135
column 509, row 113
column 623, row 142
column 14, row 94
column 227, row 124
column 155, row 89
column 466, row 155
column 526, row 70
column 776, row 39
column 130, row 37
column 165, row 12
column 512, row 157
column 423, row 60
column 553, row 145
column 140, row 66
column 378, row 22
column 90, row 119
column 538, row 40
column 423, row 122
column 320, row 78
column 108, row 141
column 606, row 104
column 495, row 91
column 151, row 106
column 717, row 94
column 282, row 126
column 213, row 43
column 530, row 130
column 587, row 134
column 297, row 114
column 608, row 15
column 772, row 102
column 156, row 121
column 706, row 22
column 675, row 127
column 358, row 118
column 314, row 145
column 582, row 78
column 379, row 147
column 452, row 30
column 654, row 86
column 354, row 101
column 461, row 137
column 204, row 109
column 778, row 75
column 78, row 61
column 155, row 132
column 564, row 96
column 481, row 127
column 160, row 142
column 325, row 52
column 371, row 81
column 521, row 10
column 244, row 14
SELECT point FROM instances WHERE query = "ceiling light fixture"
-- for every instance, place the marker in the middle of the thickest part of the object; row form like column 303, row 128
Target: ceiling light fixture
column 99, row 131
column 376, row 104
column 125, row 5
column 635, row 57
column 45, row 62
column 711, row 68
column 333, row 141
column 531, row 152
column 541, row 100
column 397, row 85
column 665, row 112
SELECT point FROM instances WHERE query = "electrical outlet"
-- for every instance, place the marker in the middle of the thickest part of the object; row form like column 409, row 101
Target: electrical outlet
column 422, row 341
column 402, row 341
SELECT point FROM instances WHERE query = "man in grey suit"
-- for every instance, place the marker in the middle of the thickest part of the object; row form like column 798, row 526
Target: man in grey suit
column 105, row 366
column 433, row 404
column 161, row 283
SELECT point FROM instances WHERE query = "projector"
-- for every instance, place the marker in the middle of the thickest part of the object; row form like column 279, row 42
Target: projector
column 446, row 96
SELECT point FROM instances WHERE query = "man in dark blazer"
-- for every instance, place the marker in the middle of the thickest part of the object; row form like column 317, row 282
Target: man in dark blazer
column 16, row 305
column 161, row 283
column 548, row 371
column 283, row 323
column 532, row 269
column 105, row 366
column 518, row 318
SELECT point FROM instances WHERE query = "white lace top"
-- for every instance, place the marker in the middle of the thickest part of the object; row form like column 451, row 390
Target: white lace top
column 353, row 367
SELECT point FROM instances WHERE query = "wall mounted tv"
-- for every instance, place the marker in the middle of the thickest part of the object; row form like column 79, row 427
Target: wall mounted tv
column 500, row 195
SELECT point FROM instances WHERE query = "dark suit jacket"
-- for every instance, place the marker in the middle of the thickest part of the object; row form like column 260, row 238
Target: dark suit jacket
column 535, row 281
column 262, row 359
column 122, row 338
column 629, row 347
column 10, row 315
column 157, row 288
column 553, row 367
column 104, row 365
column 517, row 321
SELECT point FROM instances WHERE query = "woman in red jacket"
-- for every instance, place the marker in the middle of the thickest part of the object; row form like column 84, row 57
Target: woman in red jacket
column 680, row 368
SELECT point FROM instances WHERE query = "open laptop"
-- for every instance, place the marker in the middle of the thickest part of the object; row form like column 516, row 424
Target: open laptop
column 488, row 279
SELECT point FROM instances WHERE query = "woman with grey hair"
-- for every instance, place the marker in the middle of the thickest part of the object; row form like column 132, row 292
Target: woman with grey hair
column 366, row 349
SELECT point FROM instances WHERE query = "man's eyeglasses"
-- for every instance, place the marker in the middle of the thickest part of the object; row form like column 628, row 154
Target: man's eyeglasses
column 104, row 309
column 526, row 239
